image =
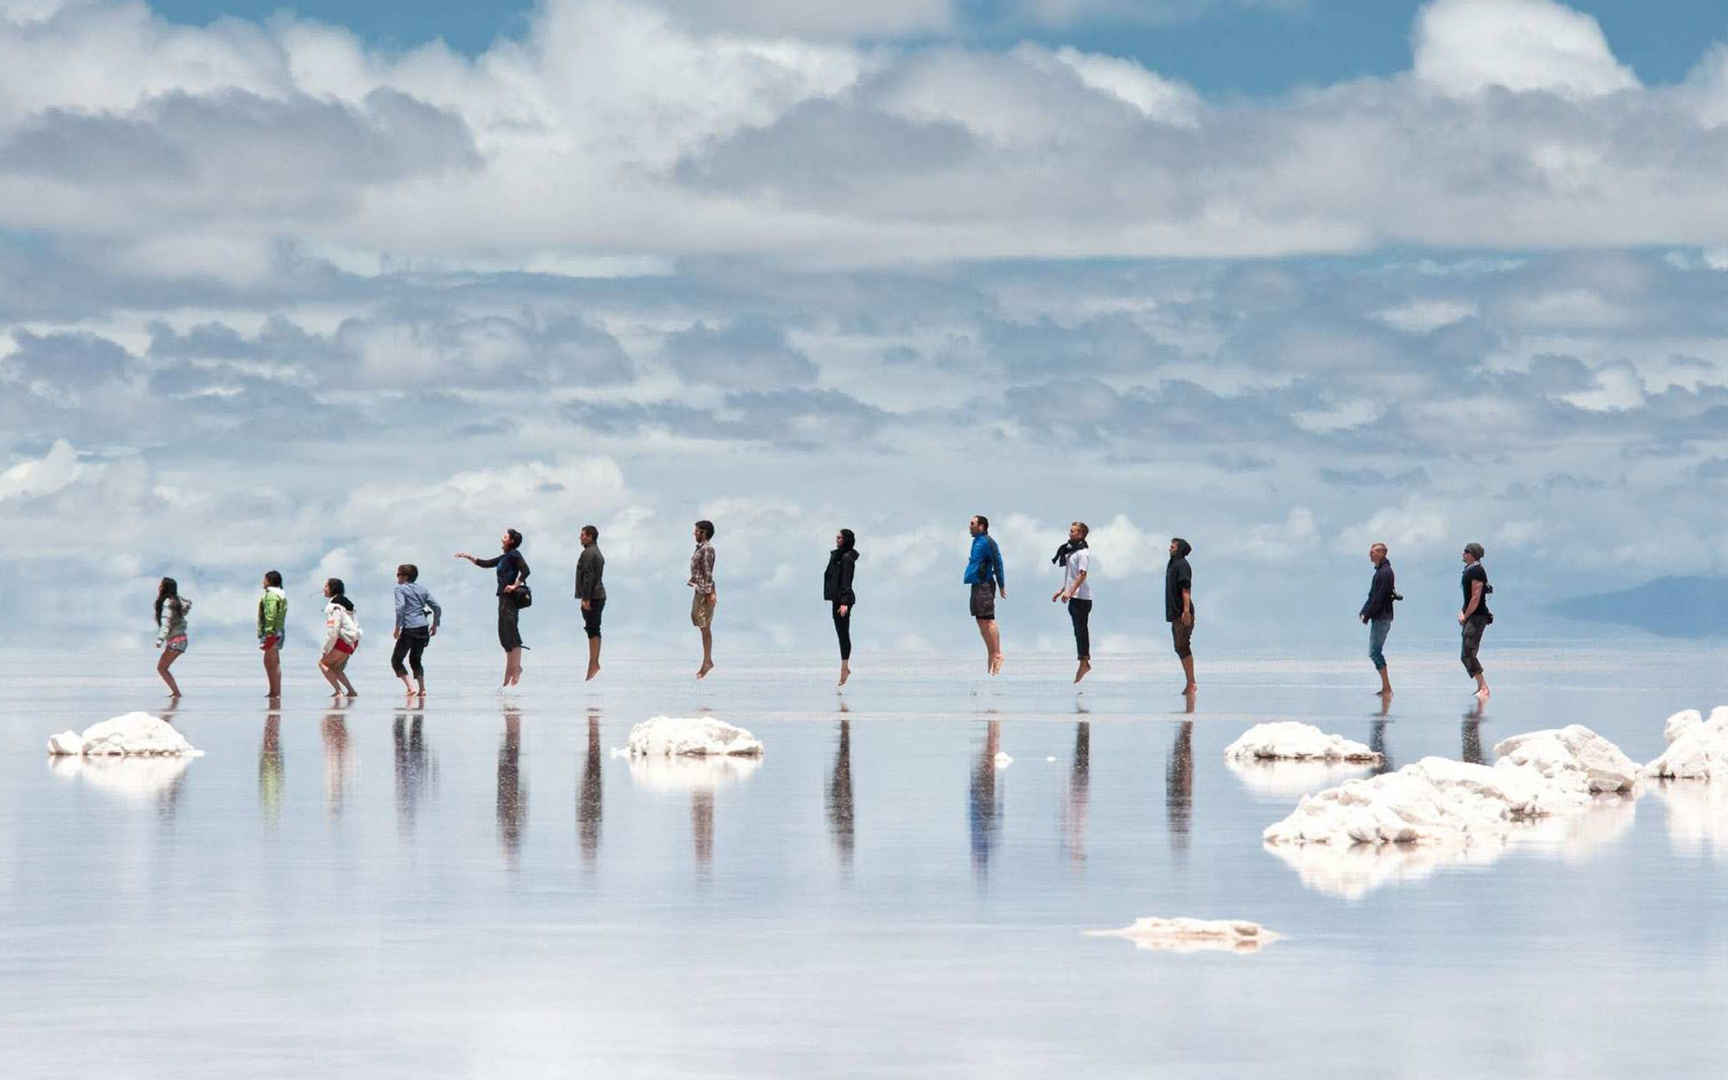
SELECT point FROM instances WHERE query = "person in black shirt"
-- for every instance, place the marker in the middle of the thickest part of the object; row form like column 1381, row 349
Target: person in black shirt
column 837, row 590
column 1179, row 606
column 1376, row 613
column 512, row 571
column 591, row 591
column 1474, row 617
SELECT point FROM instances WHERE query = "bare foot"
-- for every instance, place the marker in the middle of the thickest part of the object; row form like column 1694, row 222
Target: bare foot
column 845, row 673
column 707, row 666
column 593, row 670
column 1190, row 688
column 1085, row 666
column 1483, row 694
column 996, row 664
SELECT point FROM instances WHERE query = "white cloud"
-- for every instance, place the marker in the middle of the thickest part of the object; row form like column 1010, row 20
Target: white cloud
column 1467, row 46
column 1425, row 316
column 41, row 476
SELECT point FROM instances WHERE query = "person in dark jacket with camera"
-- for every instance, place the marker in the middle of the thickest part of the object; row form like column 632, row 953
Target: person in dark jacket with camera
column 1377, row 612
column 513, row 595
column 837, row 590
column 1474, row 616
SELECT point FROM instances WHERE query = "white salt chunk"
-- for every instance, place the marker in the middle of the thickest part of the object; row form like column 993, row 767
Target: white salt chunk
column 1192, row 935
column 134, row 734
column 1697, row 748
column 678, row 736
column 1291, row 740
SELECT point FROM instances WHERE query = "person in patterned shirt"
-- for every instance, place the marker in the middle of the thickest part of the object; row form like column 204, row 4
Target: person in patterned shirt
column 704, row 598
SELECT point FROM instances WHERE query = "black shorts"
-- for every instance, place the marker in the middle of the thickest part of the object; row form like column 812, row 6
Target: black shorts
column 1181, row 636
column 983, row 604
column 591, row 617
column 509, row 636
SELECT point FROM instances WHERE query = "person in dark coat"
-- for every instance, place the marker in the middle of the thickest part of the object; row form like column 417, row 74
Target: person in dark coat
column 1376, row 613
column 837, row 590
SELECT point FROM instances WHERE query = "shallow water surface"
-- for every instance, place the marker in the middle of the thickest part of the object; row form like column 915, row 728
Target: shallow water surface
column 479, row 887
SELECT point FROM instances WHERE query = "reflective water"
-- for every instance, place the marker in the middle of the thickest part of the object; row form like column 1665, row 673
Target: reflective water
column 479, row 888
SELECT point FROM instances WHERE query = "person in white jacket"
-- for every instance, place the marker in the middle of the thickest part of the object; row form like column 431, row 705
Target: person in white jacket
column 341, row 638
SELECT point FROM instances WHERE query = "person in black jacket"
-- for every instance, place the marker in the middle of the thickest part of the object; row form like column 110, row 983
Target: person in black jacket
column 1474, row 616
column 837, row 590
column 591, row 590
column 1377, row 613
column 512, row 571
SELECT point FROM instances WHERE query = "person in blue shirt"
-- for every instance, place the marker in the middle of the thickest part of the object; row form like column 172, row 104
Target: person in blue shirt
column 414, row 630
column 984, row 574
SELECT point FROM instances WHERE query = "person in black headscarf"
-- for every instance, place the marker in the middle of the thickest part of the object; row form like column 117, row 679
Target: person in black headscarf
column 837, row 590
column 1179, row 606
column 1075, row 561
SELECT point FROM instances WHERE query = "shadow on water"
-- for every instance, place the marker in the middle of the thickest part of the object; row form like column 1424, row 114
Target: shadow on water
column 589, row 795
column 984, row 803
column 1079, row 793
column 1179, row 788
column 270, row 770
column 838, row 802
column 415, row 768
column 512, row 795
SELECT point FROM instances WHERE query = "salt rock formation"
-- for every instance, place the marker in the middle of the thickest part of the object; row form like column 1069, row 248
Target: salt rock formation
column 678, row 736
column 135, row 734
column 1441, row 801
column 1290, row 740
column 1697, row 748
column 1193, row 935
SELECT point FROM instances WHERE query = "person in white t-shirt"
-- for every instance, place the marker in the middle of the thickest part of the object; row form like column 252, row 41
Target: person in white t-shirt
column 1075, row 560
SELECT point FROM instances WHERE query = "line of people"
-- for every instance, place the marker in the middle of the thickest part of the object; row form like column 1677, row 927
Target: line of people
column 417, row 613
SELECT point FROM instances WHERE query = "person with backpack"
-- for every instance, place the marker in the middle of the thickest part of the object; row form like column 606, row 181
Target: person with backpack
column 414, row 630
column 837, row 590
column 513, row 596
column 341, row 638
column 1475, row 617
column 1376, row 612
column 171, row 609
column 984, row 574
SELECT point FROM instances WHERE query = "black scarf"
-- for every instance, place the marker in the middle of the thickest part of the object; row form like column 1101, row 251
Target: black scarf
column 1068, row 548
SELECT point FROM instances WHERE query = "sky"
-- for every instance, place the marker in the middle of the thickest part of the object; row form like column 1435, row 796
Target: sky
column 329, row 291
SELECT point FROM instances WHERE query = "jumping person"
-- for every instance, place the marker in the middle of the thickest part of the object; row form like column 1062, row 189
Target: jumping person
column 704, row 599
column 591, row 590
column 1179, row 606
column 341, row 638
column 272, row 623
column 984, row 573
column 1376, row 612
column 512, row 570
column 171, row 609
column 1474, row 617
column 413, row 631
column 1074, row 560
column 837, row 590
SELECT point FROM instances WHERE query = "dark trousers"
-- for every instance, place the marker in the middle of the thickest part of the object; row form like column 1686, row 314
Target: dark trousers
column 843, row 630
column 508, row 635
column 1079, row 612
column 1472, row 641
column 591, row 617
column 410, row 643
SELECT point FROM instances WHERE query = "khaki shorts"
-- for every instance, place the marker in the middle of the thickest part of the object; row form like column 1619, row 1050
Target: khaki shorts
column 701, row 610
column 1181, row 636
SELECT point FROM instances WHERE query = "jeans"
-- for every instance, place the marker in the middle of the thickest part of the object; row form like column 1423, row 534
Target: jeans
column 1472, row 635
column 1079, row 611
column 843, row 630
column 410, row 643
column 1377, row 631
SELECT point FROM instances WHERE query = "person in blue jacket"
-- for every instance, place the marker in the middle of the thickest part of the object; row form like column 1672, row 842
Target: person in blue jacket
column 1376, row 613
column 984, row 574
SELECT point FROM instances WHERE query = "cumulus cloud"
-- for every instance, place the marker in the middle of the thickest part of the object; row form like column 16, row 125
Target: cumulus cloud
column 1466, row 46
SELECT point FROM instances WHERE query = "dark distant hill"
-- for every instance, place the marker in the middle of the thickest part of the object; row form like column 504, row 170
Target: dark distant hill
column 1685, row 607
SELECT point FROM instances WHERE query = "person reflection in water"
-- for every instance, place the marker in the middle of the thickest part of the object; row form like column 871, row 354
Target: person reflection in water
column 1377, row 738
column 1079, row 793
column 512, row 796
column 702, row 828
column 984, row 803
column 839, row 798
column 1179, row 787
column 335, row 729
column 412, row 768
column 588, row 799
column 270, row 769
column 1471, row 732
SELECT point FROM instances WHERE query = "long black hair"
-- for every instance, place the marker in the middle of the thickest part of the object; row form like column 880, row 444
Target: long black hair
column 848, row 541
column 169, row 589
column 338, row 592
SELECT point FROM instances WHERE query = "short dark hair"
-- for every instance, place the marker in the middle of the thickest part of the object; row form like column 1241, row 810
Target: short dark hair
column 983, row 522
column 707, row 528
column 591, row 531
column 1084, row 530
column 273, row 577
column 515, row 538
column 1475, row 549
column 409, row 571
column 335, row 586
